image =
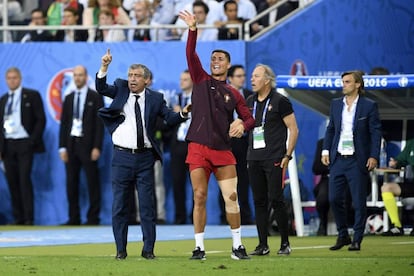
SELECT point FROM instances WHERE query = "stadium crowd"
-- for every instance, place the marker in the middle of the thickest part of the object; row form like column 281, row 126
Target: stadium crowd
column 223, row 19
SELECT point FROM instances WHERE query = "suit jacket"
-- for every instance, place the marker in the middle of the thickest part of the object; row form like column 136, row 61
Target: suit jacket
column 92, row 126
column 32, row 116
column 366, row 130
column 155, row 105
column 43, row 36
column 79, row 35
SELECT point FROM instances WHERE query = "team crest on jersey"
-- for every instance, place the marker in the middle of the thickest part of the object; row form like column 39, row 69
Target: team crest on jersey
column 226, row 98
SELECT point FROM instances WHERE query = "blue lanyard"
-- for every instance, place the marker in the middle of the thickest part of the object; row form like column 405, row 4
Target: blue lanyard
column 264, row 111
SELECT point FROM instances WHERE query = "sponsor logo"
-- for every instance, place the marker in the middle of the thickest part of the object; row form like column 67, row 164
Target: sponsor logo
column 298, row 68
column 59, row 86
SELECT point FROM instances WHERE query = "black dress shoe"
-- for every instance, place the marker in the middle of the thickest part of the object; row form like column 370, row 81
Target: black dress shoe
column 161, row 221
column 149, row 255
column 121, row 255
column 70, row 223
column 89, row 222
column 355, row 246
column 341, row 242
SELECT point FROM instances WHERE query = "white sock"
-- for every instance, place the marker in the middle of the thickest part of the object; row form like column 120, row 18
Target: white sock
column 236, row 235
column 199, row 240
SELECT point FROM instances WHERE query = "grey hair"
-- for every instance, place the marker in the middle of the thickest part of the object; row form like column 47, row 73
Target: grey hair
column 147, row 72
column 14, row 69
column 269, row 74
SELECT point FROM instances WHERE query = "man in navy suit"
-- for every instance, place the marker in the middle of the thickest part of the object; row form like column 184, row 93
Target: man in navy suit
column 131, row 120
column 351, row 148
column 23, row 119
column 80, row 144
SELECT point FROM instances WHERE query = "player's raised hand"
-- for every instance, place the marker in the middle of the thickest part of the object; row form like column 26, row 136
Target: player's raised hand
column 189, row 19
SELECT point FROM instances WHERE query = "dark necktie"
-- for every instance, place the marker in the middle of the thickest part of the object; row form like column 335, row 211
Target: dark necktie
column 140, row 129
column 9, row 109
column 184, row 101
column 77, row 106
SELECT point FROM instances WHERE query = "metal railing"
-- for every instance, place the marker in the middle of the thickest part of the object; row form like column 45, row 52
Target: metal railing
column 5, row 28
column 157, row 28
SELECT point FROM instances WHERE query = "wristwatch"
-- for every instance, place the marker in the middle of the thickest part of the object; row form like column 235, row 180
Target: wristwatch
column 288, row 156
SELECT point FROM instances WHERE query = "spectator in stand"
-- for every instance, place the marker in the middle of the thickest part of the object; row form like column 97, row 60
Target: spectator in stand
column 246, row 10
column 14, row 11
column 56, row 12
column 212, row 16
column 38, row 19
column 91, row 18
column 70, row 18
column 227, row 33
column 201, row 10
column 274, row 15
column 142, row 16
column 179, row 169
column 107, row 18
column 162, row 13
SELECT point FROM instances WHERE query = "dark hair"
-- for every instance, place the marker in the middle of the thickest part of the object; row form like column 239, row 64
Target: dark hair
column 379, row 71
column 223, row 52
column 228, row 2
column 39, row 10
column 200, row 3
column 72, row 10
column 233, row 68
column 358, row 77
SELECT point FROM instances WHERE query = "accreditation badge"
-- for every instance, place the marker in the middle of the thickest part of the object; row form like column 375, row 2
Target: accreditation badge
column 348, row 144
column 258, row 138
column 76, row 128
column 9, row 125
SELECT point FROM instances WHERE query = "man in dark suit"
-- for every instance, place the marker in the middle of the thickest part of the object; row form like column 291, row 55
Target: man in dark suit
column 23, row 118
column 38, row 18
column 178, row 149
column 131, row 120
column 80, row 145
column 351, row 147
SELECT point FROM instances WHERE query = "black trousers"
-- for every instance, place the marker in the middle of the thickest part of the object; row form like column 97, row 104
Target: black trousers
column 179, row 173
column 18, row 161
column 80, row 157
column 266, row 179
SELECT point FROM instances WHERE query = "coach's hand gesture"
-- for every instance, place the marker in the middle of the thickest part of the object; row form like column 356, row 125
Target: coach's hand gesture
column 106, row 60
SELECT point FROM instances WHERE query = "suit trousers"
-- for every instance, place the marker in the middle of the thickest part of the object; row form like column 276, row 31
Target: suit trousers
column 346, row 172
column 179, row 173
column 18, row 161
column 80, row 157
column 129, row 169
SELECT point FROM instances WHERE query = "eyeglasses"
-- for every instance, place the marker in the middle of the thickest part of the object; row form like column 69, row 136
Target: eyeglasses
column 239, row 76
